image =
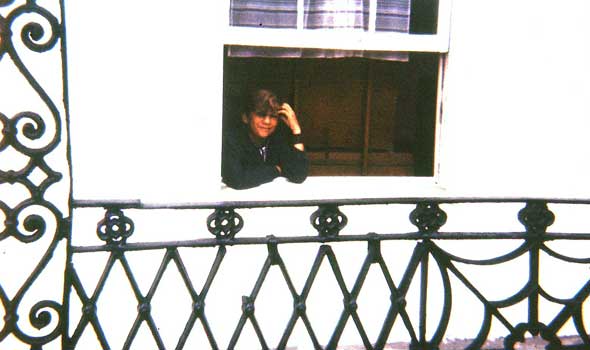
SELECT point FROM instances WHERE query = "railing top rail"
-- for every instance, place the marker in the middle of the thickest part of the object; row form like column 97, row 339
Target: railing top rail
column 138, row 204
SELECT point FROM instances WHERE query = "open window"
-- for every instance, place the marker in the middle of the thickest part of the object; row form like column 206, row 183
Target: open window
column 359, row 115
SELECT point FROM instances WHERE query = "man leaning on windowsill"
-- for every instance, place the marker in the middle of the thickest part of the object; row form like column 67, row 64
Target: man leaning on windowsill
column 262, row 148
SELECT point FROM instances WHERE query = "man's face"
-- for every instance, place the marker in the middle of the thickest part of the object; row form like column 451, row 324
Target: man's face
column 260, row 126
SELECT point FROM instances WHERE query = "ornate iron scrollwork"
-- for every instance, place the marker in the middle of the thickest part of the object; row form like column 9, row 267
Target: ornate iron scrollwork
column 224, row 223
column 428, row 217
column 40, row 317
column 328, row 220
column 536, row 217
column 29, row 134
column 25, row 134
column 115, row 228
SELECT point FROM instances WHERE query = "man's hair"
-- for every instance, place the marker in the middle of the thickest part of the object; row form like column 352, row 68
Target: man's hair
column 262, row 102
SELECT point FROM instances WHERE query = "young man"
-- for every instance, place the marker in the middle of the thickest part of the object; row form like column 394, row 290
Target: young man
column 267, row 144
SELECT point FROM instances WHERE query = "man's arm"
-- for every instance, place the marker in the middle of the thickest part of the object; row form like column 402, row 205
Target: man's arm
column 294, row 163
column 239, row 176
column 293, row 160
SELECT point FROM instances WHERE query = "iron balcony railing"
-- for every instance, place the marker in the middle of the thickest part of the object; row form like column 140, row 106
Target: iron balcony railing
column 224, row 224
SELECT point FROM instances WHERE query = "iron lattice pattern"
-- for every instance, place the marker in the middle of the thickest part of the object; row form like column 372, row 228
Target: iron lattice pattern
column 328, row 220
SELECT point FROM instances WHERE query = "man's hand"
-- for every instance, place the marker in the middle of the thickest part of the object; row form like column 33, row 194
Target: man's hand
column 288, row 116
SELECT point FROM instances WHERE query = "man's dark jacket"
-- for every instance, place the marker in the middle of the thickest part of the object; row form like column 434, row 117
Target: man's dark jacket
column 242, row 165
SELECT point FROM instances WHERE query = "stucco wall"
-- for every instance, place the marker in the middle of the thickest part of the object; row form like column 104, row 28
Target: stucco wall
column 516, row 98
column 145, row 95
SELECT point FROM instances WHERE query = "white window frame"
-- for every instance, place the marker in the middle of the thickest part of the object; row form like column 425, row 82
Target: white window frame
column 371, row 40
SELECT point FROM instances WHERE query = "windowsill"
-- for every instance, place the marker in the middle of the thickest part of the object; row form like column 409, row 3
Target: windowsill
column 315, row 188
column 346, row 190
column 337, row 187
column 351, row 188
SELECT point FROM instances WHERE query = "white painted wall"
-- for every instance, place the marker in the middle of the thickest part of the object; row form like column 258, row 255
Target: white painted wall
column 517, row 98
column 145, row 96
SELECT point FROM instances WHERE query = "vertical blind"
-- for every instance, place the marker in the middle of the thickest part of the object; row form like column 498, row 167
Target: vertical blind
column 365, row 15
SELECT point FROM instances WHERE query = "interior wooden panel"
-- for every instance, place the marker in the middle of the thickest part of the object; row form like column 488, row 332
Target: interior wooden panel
column 329, row 102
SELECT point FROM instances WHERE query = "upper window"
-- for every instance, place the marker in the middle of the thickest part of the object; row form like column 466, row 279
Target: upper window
column 377, row 25
column 366, row 99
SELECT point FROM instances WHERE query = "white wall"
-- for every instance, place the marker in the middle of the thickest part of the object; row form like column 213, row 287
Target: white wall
column 145, row 94
column 517, row 98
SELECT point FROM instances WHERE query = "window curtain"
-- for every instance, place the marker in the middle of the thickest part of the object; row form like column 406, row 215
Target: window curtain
column 391, row 16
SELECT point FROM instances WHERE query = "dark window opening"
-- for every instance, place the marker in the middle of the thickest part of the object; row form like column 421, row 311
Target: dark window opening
column 358, row 116
column 424, row 16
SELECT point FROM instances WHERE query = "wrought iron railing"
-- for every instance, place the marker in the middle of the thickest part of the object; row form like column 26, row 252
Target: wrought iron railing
column 225, row 224
column 32, row 120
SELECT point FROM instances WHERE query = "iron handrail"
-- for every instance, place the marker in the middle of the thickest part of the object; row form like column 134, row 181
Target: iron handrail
column 248, row 204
